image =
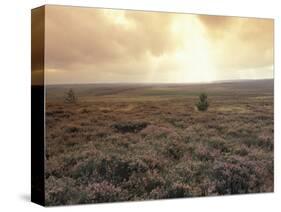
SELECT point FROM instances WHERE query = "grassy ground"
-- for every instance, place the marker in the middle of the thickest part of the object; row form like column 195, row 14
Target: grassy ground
column 136, row 142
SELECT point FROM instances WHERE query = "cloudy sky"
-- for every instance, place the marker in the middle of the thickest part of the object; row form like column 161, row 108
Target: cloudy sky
column 87, row 45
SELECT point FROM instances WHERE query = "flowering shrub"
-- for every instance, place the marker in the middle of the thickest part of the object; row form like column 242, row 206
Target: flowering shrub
column 152, row 148
column 237, row 175
column 105, row 192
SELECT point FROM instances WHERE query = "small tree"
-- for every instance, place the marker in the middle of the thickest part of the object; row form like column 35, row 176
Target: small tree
column 202, row 104
column 70, row 97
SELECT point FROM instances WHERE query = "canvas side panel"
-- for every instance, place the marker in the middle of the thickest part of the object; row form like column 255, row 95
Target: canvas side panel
column 37, row 105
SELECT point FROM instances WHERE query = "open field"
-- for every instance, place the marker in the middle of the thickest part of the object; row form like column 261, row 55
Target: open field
column 147, row 141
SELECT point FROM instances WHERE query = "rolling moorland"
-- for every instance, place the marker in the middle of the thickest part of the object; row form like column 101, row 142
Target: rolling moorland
column 123, row 142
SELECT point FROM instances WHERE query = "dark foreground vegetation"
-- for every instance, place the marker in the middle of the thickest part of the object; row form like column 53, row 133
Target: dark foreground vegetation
column 137, row 142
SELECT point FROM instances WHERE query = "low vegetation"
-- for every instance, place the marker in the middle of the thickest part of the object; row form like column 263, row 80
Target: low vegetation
column 135, row 146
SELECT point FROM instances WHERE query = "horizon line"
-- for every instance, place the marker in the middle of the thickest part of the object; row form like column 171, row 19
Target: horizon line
column 206, row 82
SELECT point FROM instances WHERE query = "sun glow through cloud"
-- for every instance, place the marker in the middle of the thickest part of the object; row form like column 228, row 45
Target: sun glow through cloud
column 88, row 45
column 196, row 60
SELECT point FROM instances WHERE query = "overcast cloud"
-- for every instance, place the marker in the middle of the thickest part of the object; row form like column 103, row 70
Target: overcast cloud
column 87, row 45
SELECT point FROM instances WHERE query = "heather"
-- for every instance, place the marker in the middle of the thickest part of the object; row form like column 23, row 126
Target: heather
column 139, row 142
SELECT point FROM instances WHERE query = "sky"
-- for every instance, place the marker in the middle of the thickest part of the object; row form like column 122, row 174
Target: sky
column 89, row 45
